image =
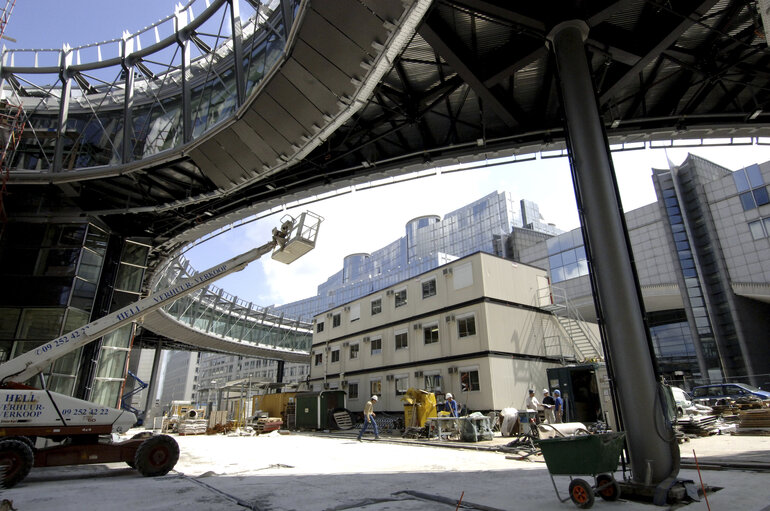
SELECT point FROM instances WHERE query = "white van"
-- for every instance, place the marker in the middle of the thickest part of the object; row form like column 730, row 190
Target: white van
column 682, row 400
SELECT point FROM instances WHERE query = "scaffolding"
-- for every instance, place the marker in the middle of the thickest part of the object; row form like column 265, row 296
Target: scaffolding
column 11, row 129
column 11, row 126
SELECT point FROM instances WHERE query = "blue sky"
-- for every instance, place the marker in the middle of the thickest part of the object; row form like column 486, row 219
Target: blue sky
column 360, row 221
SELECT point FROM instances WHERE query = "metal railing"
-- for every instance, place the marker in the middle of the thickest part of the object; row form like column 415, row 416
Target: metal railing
column 215, row 312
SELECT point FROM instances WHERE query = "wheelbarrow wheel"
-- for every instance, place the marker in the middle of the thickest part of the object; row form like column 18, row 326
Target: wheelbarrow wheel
column 581, row 493
column 609, row 489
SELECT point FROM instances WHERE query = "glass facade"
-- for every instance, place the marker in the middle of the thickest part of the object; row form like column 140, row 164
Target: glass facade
column 751, row 187
column 429, row 242
column 673, row 344
column 567, row 256
column 51, row 272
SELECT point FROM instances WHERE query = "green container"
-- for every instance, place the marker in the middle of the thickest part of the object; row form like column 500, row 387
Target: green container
column 585, row 454
column 313, row 408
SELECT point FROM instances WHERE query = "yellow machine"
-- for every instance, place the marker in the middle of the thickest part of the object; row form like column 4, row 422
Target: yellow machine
column 419, row 406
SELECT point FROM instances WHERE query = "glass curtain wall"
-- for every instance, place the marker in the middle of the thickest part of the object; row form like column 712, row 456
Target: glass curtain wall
column 53, row 271
column 115, row 346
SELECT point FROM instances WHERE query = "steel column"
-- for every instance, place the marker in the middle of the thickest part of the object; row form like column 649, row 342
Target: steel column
column 652, row 446
column 237, row 35
column 128, row 100
column 149, row 405
column 183, row 40
column 64, row 105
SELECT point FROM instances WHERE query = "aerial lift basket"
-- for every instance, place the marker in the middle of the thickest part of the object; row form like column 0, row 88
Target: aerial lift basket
column 300, row 239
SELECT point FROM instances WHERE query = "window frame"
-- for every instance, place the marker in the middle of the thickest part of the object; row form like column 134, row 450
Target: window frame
column 372, row 341
column 397, row 300
column 334, row 352
column 353, row 385
column 319, row 327
column 431, row 289
column 372, row 303
column 468, row 387
column 336, row 320
column 375, row 387
column 464, row 318
column 400, row 378
column 401, row 335
column 354, row 347
column 430, row 327
column 319, row 359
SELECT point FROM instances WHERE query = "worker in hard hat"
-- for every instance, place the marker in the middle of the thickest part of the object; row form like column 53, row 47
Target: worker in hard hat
column 451, row 405
column 369, row 418
column 548, row 407
column 558, row 405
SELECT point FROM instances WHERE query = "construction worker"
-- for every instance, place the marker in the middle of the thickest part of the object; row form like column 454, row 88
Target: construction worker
column 548, row 407
column 369, row 417
column 451, row 405
column 558, row 405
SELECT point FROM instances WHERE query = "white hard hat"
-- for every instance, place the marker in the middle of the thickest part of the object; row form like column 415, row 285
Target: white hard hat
column 448, row 395
column 374, row 398
column 545, row 391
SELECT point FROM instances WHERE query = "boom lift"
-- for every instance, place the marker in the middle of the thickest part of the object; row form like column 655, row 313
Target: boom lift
column 83, row 430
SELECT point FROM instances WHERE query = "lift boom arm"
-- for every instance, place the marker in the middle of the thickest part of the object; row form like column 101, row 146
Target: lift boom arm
column 34, row 361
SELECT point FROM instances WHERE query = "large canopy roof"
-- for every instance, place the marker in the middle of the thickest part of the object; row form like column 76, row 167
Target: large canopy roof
column 365, row 90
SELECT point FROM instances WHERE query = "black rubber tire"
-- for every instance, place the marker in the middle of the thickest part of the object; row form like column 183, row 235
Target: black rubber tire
column 156, row 456
column 581, row 493
column 143, row 434
column 611, row 492
column 17, row 457
column 30, row 441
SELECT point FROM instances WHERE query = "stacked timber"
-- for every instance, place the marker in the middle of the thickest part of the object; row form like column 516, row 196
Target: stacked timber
column 698, row 425
column 754, row 422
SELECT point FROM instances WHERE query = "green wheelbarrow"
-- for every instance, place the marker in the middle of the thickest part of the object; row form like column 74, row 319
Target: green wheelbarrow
column 594, row 455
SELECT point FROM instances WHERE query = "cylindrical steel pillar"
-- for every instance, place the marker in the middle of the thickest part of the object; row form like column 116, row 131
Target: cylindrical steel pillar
column 648, row 433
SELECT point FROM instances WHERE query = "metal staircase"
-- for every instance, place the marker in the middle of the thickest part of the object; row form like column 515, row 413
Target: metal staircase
column 585, row 343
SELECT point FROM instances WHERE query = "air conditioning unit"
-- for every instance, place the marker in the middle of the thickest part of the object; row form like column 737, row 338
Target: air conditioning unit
column 344, row 383
column 449, row 317
column 418, row 326
column 347, row 308
column 389, row 292
column 328, row 314
column 452, row 370
column 417, row 374
column 447, row 271
column 314, row 320
column 345, row 344
column 326, row 385
column 328, row 348
column 367, row 339
column 389, row 377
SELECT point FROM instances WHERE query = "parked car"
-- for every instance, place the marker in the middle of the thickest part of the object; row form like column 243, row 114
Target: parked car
column 712, row 394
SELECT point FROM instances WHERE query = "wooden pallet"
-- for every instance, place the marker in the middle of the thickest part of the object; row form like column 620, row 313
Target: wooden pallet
column 343, row 420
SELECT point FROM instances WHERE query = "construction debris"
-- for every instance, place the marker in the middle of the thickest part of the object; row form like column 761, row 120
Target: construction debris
column 268, row 424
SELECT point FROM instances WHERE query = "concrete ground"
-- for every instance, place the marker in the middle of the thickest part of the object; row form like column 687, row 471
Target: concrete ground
column 332, row 471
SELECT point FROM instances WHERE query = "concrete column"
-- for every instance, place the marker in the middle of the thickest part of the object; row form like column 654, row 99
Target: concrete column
column 653, row 450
